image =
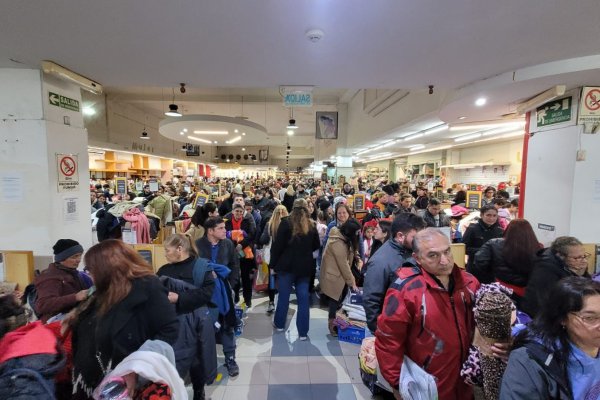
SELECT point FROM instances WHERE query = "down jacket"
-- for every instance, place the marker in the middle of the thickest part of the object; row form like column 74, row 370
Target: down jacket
column 489, row 265
column 336, row 265
column 477, row 235
column 430, row 325
column 56, row 289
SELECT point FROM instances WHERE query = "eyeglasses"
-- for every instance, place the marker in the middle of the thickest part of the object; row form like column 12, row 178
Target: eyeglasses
column 581, row 258
column 589, row 321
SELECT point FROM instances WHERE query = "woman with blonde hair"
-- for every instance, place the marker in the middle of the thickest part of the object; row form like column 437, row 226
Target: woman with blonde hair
column 266, row 240
column 292, row 259
column 129, row 306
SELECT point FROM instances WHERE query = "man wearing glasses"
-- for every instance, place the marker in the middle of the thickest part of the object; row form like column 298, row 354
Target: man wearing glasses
column 565, row 257
column 428, row 316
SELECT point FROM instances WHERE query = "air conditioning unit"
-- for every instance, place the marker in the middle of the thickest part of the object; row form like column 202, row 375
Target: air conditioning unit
column 50, row 67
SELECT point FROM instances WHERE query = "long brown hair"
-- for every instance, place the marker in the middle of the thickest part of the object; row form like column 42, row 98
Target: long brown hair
column 299, row 218
column 113, row 265
column 278, row 213
column 520, row 246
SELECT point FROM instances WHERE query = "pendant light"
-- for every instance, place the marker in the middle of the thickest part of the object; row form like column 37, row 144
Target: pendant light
column 292, row 122
column 173, row 108
column 144, row 134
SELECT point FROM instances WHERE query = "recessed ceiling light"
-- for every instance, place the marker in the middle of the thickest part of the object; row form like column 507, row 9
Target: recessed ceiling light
column 243, row 149
column 215, row 142
column 480, row 101
column 182, row 133
column 461, row 118
column 235, row 130
column 88, row 111
column 185, row 129
column 243, row 133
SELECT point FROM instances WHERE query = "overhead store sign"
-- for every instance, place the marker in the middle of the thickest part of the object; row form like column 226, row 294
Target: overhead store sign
column 67, row 103
column 297, row 96
column 589, row 109
column 68, row 176
column 554, row 112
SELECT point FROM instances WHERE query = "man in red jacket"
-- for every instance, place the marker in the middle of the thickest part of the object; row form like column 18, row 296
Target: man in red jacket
column 428, row 316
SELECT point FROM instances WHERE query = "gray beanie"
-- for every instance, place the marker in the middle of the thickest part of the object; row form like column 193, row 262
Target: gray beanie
column 65, row 248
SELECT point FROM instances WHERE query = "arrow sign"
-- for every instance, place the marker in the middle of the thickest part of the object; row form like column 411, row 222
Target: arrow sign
column 556, row 107
column 54, row 99
column 555, row 112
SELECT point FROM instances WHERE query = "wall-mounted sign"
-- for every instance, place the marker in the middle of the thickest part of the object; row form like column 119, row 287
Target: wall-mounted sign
column 554, row 112
column 153, row 183
column 121, row 185
column 546, row 227
column 67, row 103
column 589, row 109
column 68, row 175
column 359, row 202
column 474, row 199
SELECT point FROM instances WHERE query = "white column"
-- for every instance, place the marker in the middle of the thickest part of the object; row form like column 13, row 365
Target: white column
column 32, row 210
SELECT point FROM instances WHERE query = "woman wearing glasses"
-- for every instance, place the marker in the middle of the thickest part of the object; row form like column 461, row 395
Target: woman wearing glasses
column 565, row 257
column 557, row 355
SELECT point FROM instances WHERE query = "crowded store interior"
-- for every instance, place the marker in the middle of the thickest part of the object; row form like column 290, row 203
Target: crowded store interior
column 299, row 200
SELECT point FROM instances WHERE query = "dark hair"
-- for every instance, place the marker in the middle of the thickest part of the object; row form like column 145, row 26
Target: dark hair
column 386, row 227
column 520, row 246
column 433, row 202
column 270, row 205
column 489, row 188
column 461, row 197
column 299, row 218
column 344, row 205
column 499, row 201
column 212, row 222
column 503, row 194
column 565, row 297
column 350, row 230
column 406, row 222
column 514, row 202
column 486, row 208
column 201, row 213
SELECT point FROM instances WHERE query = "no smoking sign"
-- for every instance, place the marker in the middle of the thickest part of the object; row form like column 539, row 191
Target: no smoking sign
column 68, row 177
column 589, row 110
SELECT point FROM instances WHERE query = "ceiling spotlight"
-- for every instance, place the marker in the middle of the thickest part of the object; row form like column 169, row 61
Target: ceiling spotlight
column 292, row 124
column 215, row 142
column 173, row 111
column 480, row 101
column 144, row 135
column 243, row 133
column 235, row 131
column 88, row 111
column 185, row 129
column 243, row 149
column 290, row 132
column 182, row 133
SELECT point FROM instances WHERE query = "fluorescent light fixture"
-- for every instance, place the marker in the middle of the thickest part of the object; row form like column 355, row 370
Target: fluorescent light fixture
column 430, row 150
column 211, row 132
column 415, row 136
column 387, row 144
column 215, row 142
column 235, row 139
column 500, row 130
column 88, row 111
column 199, row 139
column 541, row 98
column 480, row 102
column 436, row 129
column 461, row 118
column 467, row 137
column 417, row 147
column 487, row 125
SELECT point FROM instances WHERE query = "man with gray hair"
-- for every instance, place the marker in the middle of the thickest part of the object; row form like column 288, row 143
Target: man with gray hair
column 428, row 316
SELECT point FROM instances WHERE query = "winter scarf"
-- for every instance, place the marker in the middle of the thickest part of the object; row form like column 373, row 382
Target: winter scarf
column 139, row 223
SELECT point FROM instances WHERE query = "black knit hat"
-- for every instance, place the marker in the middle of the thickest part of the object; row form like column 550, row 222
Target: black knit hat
column 65, row 248
column 324, row 205
column 388, row 189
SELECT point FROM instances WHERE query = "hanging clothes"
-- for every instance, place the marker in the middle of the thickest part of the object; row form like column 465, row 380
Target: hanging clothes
column 139, row 223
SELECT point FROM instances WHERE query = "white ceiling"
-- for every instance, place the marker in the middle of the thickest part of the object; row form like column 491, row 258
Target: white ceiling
column 234, row 49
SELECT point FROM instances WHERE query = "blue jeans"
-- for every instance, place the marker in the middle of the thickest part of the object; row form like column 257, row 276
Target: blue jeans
column 284, row 282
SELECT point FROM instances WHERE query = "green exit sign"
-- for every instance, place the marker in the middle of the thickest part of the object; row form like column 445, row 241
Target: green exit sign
column 67, row 103
column 554, row 112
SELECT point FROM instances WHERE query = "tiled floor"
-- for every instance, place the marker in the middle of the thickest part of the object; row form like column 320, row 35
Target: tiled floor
column 278, row 366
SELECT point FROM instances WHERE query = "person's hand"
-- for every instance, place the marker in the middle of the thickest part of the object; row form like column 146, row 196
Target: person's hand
column 18, row 294
column 501, row 350
column 238, row 247
column 173, row 297
column 355, row 288
column 359, row 264
column 81, row 295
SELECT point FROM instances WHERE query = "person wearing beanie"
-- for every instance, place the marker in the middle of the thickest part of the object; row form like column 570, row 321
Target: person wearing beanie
column 61, row 287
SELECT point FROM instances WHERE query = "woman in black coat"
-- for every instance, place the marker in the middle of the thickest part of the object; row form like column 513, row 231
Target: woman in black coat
column 479, row 233
column 130, row 306
column 292, row 259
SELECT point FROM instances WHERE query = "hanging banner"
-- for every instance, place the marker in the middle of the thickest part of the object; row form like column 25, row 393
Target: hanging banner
column 68, row 174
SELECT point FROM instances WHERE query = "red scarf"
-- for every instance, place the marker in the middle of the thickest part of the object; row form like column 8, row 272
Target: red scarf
column 236, row 225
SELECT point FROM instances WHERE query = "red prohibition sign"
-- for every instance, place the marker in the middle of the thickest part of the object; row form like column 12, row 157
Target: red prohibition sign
column 67, row 166
column 592, row 100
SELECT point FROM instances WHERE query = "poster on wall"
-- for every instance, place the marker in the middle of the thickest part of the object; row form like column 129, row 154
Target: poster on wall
column 70, row 213
column 327, row 125
column 68, row 174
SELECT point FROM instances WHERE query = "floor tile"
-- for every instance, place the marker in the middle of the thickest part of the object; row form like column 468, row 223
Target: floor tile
column 247, row 392
column 328, row 370
column 332, row 392
column 349, row 349
column 353, row 367
column 253, row 370
column 289, row 370
column 286, row 347
column 212, row 392
column 289, row 392
column 255, row 347
column 323, row 347
column 362, row 392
